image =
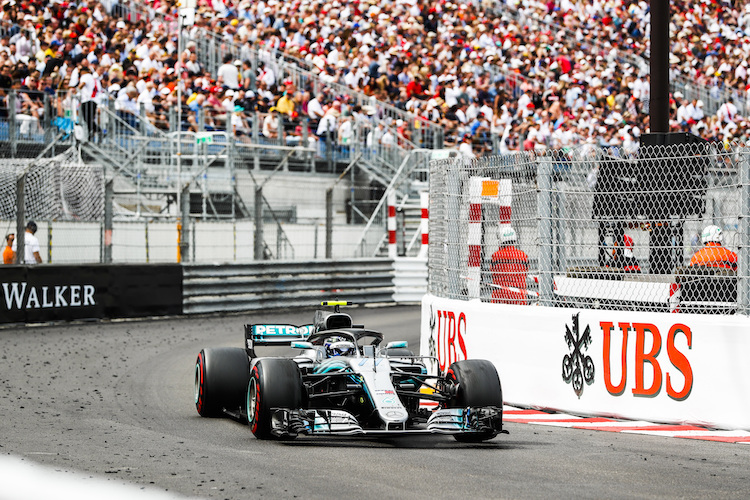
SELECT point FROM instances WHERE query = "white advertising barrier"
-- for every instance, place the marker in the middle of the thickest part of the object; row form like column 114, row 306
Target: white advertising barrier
column 679, row 368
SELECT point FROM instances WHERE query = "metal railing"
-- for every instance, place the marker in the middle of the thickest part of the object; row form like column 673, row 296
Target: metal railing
column 208, row 289
column 409, row 179
column 212, row 48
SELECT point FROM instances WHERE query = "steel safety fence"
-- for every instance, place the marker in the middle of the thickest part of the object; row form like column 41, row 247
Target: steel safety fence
column 660, row 228
column 215, row 288
column 30, row 120
column 143, row 199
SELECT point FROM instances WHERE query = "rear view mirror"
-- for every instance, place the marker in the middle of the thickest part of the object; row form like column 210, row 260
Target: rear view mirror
column 302, row 345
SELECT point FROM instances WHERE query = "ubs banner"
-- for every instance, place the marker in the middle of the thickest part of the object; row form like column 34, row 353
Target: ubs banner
column 652, row 366
column 31, row 294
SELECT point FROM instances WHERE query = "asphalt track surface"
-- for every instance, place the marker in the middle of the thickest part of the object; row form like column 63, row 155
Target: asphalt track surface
column 115, row 400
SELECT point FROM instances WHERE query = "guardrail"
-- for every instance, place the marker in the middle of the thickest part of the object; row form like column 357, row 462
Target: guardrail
column 41, row 293
column 223, row 288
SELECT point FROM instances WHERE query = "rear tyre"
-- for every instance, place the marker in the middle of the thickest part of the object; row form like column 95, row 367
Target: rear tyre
column 477, row 384
column 221, row 376
column 274, row 383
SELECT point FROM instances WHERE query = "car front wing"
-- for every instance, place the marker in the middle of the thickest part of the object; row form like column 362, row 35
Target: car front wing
column 290, row 423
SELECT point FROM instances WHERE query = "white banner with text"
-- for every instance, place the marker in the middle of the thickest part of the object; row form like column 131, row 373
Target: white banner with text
column 659, row 367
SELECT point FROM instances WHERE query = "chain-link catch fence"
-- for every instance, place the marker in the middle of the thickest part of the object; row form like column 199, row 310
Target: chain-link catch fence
column 663, row 228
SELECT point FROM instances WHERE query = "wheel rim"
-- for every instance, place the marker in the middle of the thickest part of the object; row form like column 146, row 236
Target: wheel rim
column 198, row 381
column 252, row 393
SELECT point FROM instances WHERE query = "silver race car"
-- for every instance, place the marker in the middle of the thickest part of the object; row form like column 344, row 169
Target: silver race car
column 343, row 382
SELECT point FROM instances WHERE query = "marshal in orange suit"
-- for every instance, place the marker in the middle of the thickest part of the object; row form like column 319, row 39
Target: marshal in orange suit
column 713, row 254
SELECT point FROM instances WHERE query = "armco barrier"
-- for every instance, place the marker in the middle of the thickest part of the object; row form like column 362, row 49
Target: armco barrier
column 33, row 294
column 410, row 280
column 217, row 288
column 653, row 366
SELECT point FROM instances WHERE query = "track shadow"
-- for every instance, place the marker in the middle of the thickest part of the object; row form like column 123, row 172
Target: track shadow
column 410, row 442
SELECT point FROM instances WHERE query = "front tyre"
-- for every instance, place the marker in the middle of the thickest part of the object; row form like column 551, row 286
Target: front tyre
column 476, row 384
column 221, row 376
column 274, row 383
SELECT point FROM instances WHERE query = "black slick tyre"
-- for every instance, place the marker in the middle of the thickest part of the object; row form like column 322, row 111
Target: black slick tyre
column 221, row 376
column 274, row 383
column 477, row 384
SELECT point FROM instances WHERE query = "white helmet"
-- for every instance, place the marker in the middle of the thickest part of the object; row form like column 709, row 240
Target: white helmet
column 711, row 233
column 508, row 236
column 336, row 346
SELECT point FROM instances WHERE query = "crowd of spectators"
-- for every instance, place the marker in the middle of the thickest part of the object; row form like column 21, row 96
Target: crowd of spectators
column 529, row 74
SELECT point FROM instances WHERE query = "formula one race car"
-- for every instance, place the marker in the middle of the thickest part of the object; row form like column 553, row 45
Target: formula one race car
column 344, row 383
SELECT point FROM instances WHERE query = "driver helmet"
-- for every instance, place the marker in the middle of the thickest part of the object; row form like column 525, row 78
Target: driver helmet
column 711, row 234
column 337, row 346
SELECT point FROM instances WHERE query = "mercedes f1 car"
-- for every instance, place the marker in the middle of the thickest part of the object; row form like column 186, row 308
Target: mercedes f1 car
column 343, row 382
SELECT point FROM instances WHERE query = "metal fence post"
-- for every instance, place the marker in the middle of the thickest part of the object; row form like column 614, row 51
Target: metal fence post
column 107, row 239
column 20, row 217
column 111, row 128
column 230, row 163
column 184, row 223
column 451, row 261
column 544, row 204
column 743, row 260
column 47, row 120
column 142, row 119
column 329, row 223
column 329, row 149
column 560, row 225
column 279, row 237
column 49, row 242
column 12, row 124
column 258, row 244
column 280, row 127
column 145, row 229
column 306, row 141
column 256, row 140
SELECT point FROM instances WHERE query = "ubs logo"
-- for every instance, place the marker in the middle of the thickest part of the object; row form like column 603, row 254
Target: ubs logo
column 447, row 333
column 577, row 367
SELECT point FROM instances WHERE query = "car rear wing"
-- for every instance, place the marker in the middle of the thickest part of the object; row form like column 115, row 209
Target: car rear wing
column 275, row 335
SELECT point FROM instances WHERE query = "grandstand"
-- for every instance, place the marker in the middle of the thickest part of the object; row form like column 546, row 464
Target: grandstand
column 238, row 92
